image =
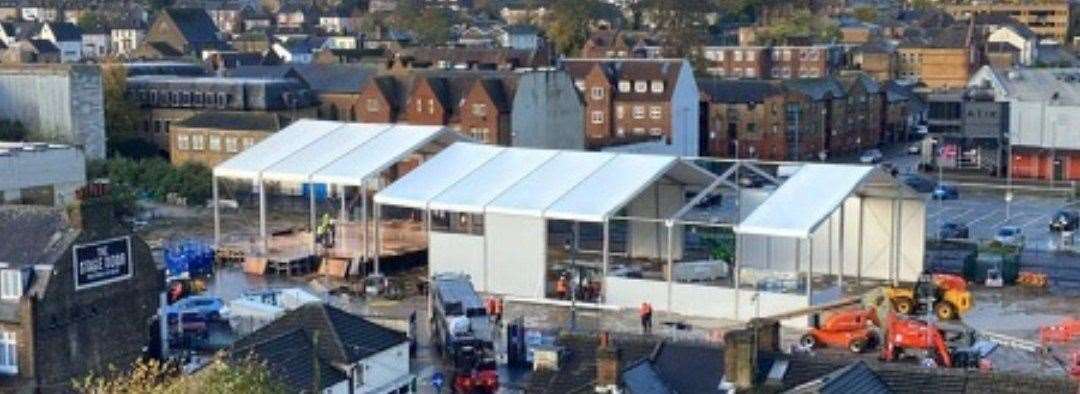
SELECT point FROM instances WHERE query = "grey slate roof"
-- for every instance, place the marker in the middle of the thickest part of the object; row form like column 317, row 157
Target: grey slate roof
column 322, row 78
column 66, row 31
column 856, row 378
column 245, row 120
column 344, row 338
column 641, row 377
column 291, row 359
column 195, row 24
column 737, row 91
column 33, row 235
column 817, row 88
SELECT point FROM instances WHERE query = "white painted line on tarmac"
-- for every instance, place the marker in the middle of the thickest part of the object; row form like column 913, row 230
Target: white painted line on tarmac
column 1036, row 219
column 984, row 217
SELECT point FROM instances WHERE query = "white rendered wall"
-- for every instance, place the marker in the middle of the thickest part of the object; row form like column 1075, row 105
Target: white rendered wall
column 386, row 371
column 630, row 293
column 459, row 253
column 515, row 255
column 64, row 169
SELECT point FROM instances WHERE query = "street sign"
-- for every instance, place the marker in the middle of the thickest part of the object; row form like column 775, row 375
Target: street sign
column 438, row 380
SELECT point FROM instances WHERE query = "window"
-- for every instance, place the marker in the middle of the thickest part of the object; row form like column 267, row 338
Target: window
column 655, row 131
column 639, row 112
column 10, row 284
column 624, row 86
column 215, row 143
column 639, row 130
column 248, row 142
column 787, row 55
column 183, row 142
column 720, row 55
column 478, row 133
column 738, row 56
column 431, row 106
column 597, row 93
column 619, row 111
column 597, row 117
column 621, row 132
column 479, row 109
column 419, row 105
column 751, row 73
column 197, row 99
column 749, row 56
column 641, row 86
column 776, row 56
column 198, row 142
column 751, row 127
column 657, row 86
column 222, row 100
column 9, row 354
column 372, row 105
column 231, row 145
column 655, row 112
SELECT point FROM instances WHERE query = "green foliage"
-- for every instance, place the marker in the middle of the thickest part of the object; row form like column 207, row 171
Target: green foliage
column 155, row 178
column 12, row 130
column 802, row 23
column 568, row 24
column 430, row 25
column 89, row 21
column 122, row 115
column 922, row 4
column 682, row 26
column 221, row 376
column 865, row 14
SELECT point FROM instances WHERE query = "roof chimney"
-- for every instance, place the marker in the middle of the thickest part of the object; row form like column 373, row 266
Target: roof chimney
column 607, row 365
column 92, row 207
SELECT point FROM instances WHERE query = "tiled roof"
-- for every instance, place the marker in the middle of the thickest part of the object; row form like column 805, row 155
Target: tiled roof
column 194, row 23
column 43, row 46
column 246, row 120
column 322, row 78
column 855, row 378
column 66, row 31
column 737, row 91
column 344, row 338
column 817, row 88
column 33, row 233
column 290, row 357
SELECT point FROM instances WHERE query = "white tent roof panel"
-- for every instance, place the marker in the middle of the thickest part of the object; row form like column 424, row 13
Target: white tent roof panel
column 533, row 194
column 618, row 181
column 302, row 163
column 251, row 162
column 801, row 203
column 417, row 188
column 473, row 192
column 378, row 153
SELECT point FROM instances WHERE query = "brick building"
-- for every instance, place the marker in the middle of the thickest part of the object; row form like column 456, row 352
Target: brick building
column 1048, row 19
column 470, row 58
column 766, row 120
column 168, row 100
column 752, row 62
column 179, row 32
column 629, row 101
column 941, row 61
column 209, row 138
column 62, row 277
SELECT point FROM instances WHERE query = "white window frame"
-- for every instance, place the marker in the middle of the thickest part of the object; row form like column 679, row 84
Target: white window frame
column 248, row 142
column 738, row 55
column 655, row 112
column 372, row 105
column 751, row 72
column 11, row 284
column 232, row 145
column 655, row 131
column 720, row 55
column 9, row 352
column 596, row 92
column 639, row 112
column 214, row 143
column 657, row 86
column 641, row 86
column 624, row 86
column 749, row 55
column 619, row 110
column 479, row 109
column 198, row 142
column 183, row 142
column 597, row 117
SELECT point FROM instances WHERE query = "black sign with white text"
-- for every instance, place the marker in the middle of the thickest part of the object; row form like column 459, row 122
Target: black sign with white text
column 102, row 262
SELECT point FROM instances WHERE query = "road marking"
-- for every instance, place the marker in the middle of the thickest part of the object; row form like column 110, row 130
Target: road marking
column 983, row 217
column 1036, row 219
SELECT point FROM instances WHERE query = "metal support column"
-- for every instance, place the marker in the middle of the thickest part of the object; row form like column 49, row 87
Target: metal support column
column 899, row 240
column 343, row 216
column 262, row 217
column 606, row 258
column 217, row 211
column 364, row 219
column 859, row 242
column 378, row 236
column 810, row 272
column 670, row 258
column 311, row 217
column 843, row 249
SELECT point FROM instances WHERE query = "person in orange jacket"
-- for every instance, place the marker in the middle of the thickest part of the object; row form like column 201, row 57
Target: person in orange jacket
column 498, row 307
column 562, row 287
column 646, row 318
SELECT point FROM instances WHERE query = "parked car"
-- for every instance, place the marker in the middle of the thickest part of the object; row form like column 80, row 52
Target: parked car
column 954, row 231
column 871, row 157
column 1010, row 235
column 919, row 184
column 945, row 192
column 914, row 149
column 205, row 308
column 1065, row 221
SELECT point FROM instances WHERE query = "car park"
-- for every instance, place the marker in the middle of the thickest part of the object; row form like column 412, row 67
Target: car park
column 1010, row 235
column 914, row 149
column 871, row 156
column 919, row 184
column 945, row 192
column 954, row 231
column 1064, row 220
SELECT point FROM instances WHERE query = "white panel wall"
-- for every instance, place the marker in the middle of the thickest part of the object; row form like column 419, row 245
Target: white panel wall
column 630, row 293
column 457, row 253
column 913, row 240
column 386, row 371
column 766, row 304
column 515, row 255
column 649, row 239
column 698, row 300
column 64, row 169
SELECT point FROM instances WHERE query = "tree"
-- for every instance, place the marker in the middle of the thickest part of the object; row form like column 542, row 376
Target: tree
column 682, row 26
column 90, row 21
column 433, row 26
column 221, row 376
column 865, row 14
column 802, row 23
column 12, row 130
column 122, row 116
column 568, row 26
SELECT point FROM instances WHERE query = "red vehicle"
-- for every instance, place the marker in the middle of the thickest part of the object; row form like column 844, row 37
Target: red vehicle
column 1061, row 332
column 475, row 371
column 902, row 334
column 852, row 329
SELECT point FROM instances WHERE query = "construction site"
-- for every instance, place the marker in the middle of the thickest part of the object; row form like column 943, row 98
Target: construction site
column 836, row 255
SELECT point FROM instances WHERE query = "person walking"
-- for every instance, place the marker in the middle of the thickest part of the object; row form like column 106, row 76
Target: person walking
column 498, row 307
column 646, row 318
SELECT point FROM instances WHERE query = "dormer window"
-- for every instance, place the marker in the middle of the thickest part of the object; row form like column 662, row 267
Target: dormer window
column 597, row 93
column 658, row 86
column 641, row 86
column 11, row 284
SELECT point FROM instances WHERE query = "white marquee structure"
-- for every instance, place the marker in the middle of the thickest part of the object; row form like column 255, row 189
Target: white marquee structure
column 490, row 212
column 333, row 153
